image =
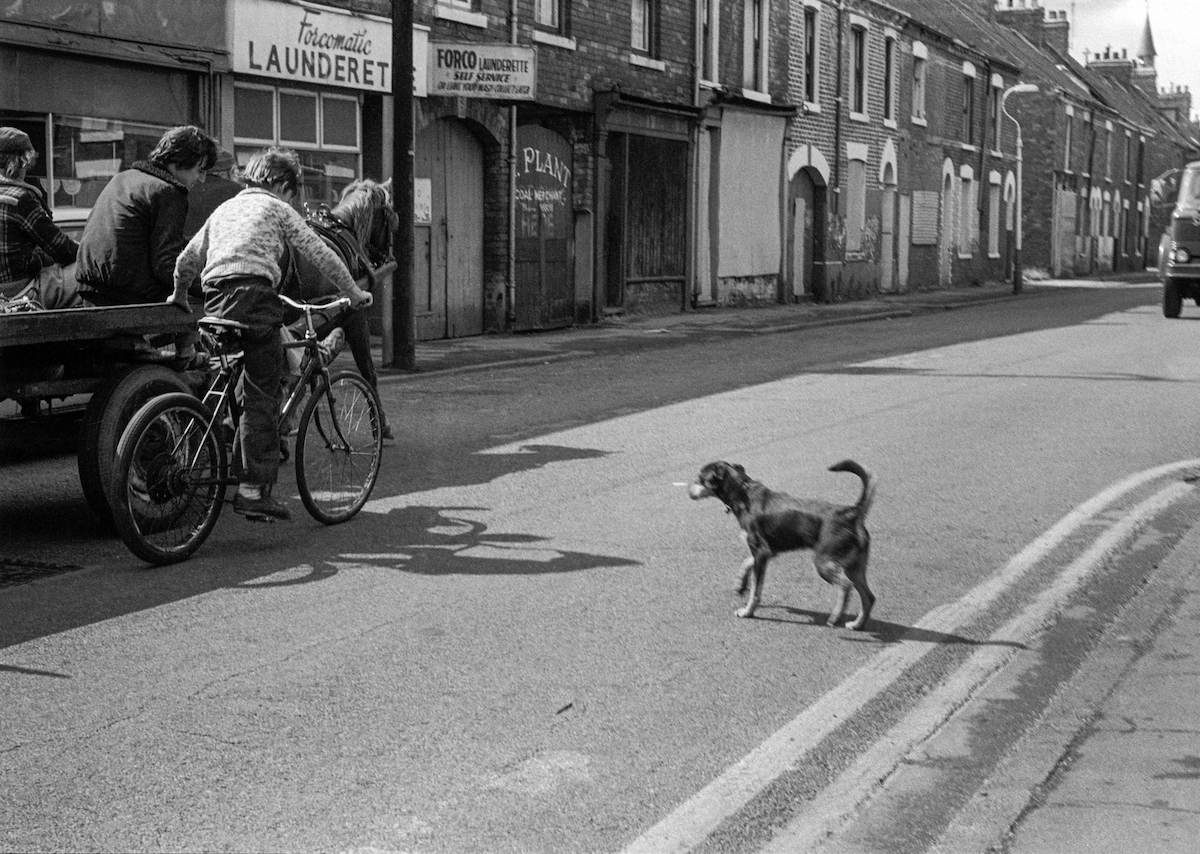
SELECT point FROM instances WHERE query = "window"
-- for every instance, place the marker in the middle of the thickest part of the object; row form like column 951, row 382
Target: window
column 1128, row 157
column 754, row 46
column 920, row 60
column 645, row 26
column 968, row 104
column 708, row 36
column 997, row 112
column 547, row 14
column 811, row 40
column 1108, row 138
column 1068, row 139
column 323, row 128
column 889, row 79
column 858, row 71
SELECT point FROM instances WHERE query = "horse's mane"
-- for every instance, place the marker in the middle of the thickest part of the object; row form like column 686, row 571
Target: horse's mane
column 358, row 204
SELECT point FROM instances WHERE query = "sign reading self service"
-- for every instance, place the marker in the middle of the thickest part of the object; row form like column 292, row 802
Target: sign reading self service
column 500, row 71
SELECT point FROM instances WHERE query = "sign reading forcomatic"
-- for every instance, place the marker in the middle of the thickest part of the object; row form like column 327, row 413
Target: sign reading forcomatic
column 499, row 71
column 313, row 44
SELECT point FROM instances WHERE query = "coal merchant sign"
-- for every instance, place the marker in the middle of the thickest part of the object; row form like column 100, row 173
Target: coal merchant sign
column 497, row 71
column 312, row 44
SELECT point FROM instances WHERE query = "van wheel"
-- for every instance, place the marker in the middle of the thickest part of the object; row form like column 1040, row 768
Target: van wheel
column 1172, row 299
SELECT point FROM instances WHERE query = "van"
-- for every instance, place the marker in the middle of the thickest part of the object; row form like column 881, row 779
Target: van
column 1179, row 249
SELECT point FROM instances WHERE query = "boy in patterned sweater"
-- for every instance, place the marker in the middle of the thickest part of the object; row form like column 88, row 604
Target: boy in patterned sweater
column 235, row 255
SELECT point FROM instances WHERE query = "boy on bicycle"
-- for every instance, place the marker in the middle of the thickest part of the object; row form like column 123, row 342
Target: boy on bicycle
column 236, row 256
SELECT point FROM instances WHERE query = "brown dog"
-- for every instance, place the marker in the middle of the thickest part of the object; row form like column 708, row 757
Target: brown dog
column 774, row 522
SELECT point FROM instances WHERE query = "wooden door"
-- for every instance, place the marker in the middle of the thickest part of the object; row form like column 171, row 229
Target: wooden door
column 887, row 240
column 449, row 174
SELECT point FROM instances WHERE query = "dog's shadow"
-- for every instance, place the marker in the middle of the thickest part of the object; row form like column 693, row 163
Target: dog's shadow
column 876, row 631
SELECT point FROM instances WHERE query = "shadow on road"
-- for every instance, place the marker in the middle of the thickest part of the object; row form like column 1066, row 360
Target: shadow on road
column 878, row 631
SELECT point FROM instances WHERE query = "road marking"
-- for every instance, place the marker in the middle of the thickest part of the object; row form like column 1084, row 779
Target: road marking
column 692, row 821
column 836, row 804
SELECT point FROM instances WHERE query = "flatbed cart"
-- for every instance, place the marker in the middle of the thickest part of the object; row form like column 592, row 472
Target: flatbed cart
column 48, row 356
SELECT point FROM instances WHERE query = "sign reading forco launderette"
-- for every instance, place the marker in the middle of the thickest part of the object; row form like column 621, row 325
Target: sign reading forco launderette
column 314, row 44
column 501, row 71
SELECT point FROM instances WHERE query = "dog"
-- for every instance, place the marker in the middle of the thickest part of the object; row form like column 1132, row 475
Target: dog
column 774, row 522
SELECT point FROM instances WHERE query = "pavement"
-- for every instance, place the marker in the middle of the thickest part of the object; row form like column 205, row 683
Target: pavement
column 622, row 332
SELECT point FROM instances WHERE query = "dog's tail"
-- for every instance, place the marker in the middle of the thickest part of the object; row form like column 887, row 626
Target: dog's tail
column 868, row 486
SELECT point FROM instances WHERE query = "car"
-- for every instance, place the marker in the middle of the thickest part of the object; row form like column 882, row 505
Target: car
column 1179, row 248
column 71, row 220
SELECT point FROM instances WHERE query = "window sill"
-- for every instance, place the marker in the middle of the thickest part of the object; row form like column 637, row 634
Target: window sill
column 995, row 153
column 812, row 107
column 966, row 146
column 755, row 95
column 890, row 123
column 920, row 122
column 995, row 256
column 862, row 118
column 554, row 40
column 461, row 16
column 646, row 62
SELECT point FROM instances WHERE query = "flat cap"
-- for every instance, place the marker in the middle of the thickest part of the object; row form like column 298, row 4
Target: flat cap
column 14, row 141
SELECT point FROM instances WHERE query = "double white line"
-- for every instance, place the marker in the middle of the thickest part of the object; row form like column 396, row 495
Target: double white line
column 689, row 824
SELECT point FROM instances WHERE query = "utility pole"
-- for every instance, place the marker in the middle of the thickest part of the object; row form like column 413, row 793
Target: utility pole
column 404, row 349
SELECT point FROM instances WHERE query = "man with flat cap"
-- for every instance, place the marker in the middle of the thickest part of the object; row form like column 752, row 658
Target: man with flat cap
column 36, row 258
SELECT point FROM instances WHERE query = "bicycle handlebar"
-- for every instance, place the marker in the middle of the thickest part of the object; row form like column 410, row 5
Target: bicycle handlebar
column 340, row 302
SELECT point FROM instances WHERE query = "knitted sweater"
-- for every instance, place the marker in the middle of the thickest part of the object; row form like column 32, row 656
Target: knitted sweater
column 245, row 237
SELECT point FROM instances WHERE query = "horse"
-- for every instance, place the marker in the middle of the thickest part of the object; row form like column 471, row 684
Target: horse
column 359, row 230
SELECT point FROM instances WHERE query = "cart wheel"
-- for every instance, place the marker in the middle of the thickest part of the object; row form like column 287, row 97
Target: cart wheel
column 107, row 413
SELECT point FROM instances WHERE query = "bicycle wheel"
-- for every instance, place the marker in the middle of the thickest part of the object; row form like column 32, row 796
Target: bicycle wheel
column 338, row 448
column 168, row 480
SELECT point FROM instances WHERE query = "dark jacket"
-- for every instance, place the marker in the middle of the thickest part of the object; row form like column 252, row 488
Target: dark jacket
column 133, row 235
column 206, row 197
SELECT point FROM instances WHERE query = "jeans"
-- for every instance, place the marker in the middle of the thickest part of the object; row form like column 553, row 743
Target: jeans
column 254, row 302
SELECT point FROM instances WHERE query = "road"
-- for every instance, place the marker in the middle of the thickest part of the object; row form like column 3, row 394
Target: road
column 527, row 642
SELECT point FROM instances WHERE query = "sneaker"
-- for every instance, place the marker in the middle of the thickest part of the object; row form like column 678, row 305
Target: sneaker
column 260, row 509
column 331, row 345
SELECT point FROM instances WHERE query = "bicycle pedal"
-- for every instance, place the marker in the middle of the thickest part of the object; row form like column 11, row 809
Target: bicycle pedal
column 259, row 517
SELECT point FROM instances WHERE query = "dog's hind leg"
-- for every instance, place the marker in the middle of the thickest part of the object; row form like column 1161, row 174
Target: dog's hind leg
column 866, row 601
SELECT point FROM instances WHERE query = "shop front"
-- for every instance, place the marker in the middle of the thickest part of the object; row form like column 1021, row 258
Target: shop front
column 314, row 79
column 96, row 85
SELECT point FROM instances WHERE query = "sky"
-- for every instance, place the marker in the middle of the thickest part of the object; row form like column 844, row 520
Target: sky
column 1175, row 25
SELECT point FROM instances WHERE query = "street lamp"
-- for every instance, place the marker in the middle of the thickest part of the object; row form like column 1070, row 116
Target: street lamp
column 1019, row 89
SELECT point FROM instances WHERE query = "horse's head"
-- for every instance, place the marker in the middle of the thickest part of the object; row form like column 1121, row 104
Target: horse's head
column 368, row 207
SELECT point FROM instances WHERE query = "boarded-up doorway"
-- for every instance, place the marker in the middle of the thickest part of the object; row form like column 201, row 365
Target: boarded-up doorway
column 545, row 286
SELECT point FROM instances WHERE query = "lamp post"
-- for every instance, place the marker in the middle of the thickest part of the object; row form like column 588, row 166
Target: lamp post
column 1018, row 272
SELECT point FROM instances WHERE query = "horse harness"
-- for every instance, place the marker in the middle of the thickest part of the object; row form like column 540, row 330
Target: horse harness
column 341, row 239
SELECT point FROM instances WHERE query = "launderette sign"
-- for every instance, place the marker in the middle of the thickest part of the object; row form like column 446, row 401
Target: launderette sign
column 468, row 70
column 313, row 44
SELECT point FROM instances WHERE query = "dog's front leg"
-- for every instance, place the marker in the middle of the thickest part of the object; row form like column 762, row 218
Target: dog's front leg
column 746, row 567
column 755, row 569
column 840, row 603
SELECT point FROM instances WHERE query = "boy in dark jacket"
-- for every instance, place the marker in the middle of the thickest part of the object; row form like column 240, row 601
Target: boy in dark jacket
column 134, row 234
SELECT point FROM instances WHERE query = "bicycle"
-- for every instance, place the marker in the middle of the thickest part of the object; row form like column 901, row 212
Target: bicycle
column 178, row 455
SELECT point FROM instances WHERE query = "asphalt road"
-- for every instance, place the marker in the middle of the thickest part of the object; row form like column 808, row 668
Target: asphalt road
column 526, row 642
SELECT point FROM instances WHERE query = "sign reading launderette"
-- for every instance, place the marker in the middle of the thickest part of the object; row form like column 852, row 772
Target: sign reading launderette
column 314, row 44
column 502, row 71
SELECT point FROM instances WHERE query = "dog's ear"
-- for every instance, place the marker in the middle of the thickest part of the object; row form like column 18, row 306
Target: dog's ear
column 739, row 469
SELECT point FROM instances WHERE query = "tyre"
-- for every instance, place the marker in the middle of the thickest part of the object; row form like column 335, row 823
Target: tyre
column 168, row 480
column 107, row 413
column 1172, row 303
column 339, row 446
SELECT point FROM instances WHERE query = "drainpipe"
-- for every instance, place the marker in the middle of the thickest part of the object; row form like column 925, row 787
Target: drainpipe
column 839, row 103
column 510, row 287
column 693, row 210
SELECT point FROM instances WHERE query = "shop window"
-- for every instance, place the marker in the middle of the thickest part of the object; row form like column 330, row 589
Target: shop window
column 88, row 152
column 323, row 128
column 298, row 118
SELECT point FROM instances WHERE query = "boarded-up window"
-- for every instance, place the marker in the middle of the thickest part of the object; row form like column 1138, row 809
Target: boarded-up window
column 925, row 207
column 856, row 204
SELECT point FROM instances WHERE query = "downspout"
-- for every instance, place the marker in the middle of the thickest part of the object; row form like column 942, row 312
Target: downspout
column 693, row 226
column 510, row 287
column 839, row 103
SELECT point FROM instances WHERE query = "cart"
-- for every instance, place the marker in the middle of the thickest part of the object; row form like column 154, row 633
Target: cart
column 48, row 356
